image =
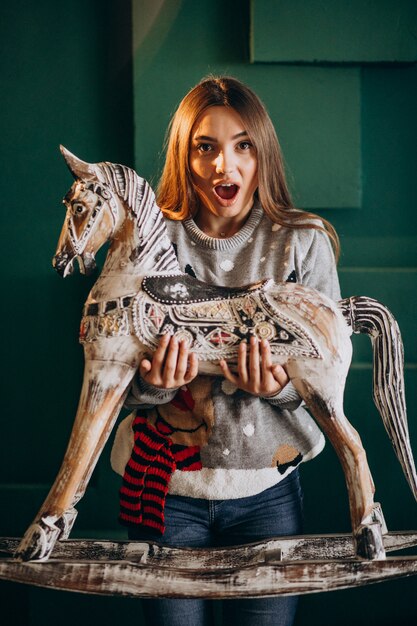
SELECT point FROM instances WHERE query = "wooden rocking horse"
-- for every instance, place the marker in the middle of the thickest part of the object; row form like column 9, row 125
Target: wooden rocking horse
column 307, row 331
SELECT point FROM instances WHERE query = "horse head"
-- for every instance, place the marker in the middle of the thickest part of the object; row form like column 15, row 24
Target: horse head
column 93, row 215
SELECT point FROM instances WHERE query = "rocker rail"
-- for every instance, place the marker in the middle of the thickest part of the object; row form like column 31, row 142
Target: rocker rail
column 285, row 566
column 302, row 547
column 135, row 580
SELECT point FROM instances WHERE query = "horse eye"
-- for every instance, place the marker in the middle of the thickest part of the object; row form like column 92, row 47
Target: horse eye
column 78, row 208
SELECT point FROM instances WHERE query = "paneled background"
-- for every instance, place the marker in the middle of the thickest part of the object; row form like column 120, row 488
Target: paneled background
column 103, row 77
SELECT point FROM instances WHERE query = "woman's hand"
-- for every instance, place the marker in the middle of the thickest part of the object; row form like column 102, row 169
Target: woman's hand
column 255, row 372
column 172, row 366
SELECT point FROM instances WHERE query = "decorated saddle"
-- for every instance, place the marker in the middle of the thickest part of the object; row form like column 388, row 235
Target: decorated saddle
column 212, row 320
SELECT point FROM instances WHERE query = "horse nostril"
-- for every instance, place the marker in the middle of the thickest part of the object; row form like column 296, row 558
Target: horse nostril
column 60, row 269
column 60, row 262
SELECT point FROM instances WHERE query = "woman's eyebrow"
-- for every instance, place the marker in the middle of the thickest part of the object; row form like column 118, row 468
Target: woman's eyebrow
column 243, row 133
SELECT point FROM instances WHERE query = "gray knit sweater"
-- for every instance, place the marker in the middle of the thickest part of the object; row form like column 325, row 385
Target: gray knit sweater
column 246, row 443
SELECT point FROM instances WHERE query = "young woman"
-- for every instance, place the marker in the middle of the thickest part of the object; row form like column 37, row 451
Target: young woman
column 226, row 449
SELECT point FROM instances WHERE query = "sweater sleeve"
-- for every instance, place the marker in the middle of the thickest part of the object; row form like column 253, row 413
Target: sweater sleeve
column 319, row 266
column 287, row 398
column 144, row 395
column 319, row 272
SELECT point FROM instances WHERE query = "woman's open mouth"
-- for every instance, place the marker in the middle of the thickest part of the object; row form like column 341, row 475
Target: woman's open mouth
column 226, row 193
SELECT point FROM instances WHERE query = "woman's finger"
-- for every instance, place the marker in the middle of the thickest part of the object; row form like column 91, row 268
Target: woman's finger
column 254, row 364
column 145, row 367
column 266, row 364
column 192, row 368
column 170, row 365
column 182, row 360
column 159, row 354
column 227, row 373
column 242, row 363
column 280, row 375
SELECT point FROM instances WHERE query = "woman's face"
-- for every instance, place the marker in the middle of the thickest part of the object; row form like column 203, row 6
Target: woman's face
column 223, row 163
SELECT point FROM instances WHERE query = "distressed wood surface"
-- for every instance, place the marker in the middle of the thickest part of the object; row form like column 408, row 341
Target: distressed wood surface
column 296, row 548
column 284, row 566
column 141, row 580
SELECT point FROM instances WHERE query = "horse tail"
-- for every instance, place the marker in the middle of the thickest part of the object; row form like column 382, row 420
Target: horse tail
column 368, row 316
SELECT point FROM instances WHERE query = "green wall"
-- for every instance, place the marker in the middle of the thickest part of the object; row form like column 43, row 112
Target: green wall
column 66, row 77
column 348, row 131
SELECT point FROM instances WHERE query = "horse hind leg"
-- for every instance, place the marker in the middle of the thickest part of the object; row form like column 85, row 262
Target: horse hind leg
column 367, row 525
column 101, row 398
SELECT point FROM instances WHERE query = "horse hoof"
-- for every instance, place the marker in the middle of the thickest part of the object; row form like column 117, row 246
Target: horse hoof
column 378, row 517
column 66, row 522
column 38, row 541
column 369, row 542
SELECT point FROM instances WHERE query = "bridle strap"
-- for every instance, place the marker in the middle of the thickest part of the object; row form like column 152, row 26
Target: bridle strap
column 79, row 243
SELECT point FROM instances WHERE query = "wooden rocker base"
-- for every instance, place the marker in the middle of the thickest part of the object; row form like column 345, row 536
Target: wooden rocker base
column 285, row 566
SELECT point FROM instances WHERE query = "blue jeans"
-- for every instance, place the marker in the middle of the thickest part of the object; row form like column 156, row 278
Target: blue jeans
column 202, row 523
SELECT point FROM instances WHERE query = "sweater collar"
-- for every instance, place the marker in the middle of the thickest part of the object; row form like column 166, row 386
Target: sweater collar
column 227, row 243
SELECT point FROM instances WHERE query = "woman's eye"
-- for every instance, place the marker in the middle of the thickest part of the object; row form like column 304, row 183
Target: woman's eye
column 245, row 145
column 204, row 147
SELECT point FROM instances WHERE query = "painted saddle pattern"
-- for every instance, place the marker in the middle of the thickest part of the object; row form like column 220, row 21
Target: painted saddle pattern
column 212, row 320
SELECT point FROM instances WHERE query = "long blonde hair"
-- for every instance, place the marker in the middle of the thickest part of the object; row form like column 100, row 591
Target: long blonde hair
column 176, row 194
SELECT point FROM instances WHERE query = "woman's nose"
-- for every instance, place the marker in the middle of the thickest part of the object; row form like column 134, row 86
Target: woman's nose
column 224, row 163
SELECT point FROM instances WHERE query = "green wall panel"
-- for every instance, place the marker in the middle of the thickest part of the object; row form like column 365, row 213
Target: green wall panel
column 336, row 31
column 394, row 287
column 384, row 232
column 316, row 112
column 65, row 77
column 318, row 116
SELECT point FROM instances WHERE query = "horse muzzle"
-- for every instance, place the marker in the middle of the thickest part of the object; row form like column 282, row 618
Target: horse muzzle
column 63, row 263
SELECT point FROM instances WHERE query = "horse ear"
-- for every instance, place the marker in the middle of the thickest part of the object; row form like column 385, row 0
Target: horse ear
column 78, row 168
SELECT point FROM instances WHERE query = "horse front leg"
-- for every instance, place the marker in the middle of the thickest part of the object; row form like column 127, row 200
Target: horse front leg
column 70, row 515
column 102, row 395
column 367, row 525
